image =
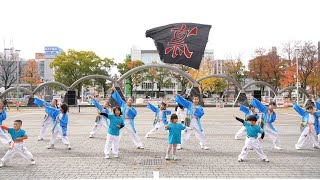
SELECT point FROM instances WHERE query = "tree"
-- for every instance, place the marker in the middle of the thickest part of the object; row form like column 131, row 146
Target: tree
column 160, row 77
column 181, row 79
column 74, row 65
column 31, row 74
column 288, row 78
column 288, row 49
column 8, row 68
column 211, row 84
column 236, row 70
column 313, row 80
column 135, row 79
column 267, row 67
column 307, row 61
column 162, row 80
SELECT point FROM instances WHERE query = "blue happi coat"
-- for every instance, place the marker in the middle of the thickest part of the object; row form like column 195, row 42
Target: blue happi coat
column 3, row 116
column 54, row 113
column 157, row 111
column 305, row 117
column 247, row 111
column 41, row 103
column 101, row 109
column 131, row 113
column 198, row 113
column 267, row 118
column 318, row 105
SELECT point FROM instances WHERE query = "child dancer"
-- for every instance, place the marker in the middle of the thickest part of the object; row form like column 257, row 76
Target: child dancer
column 129, row 114
column 268, row 117
column 17, row 146
column 247, row 111
column 174, row 136
column 182, row 113
column 194, row 113
column 60, row 125
column 251, row 141
column 310, row 126
column 160, row 117
column 100, row 120
column 48, row 120
column 116, row 123
column 4, row 138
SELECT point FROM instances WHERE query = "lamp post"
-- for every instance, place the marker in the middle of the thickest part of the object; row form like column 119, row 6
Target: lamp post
column 18, row 60
column 296, row 54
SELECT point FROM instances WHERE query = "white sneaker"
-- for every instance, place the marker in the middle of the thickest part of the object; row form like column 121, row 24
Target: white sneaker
column 107, row 157
column 141, row 147
column 297, row 147
column 240, row 160
column 1, row 164
column 146, row 136
column 179, row 147
column 167, row 157
column 69, row 147
column 204, row 147
column 316, row 147
column 116, row 155
column 33, row 162
column 236, row 137
column 266, row 160
column 40, row 139
column 91, row 136
column 277, row 147
column 50, row 146
column 174, row 157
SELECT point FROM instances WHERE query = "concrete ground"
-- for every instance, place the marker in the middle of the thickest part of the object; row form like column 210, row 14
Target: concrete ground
column 86, row 159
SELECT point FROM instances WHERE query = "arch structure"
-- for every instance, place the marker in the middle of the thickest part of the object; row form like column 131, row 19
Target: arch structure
column 85, row 78
column 15, row 89
column 261, row 83
column 149, row 66
column 42, row 85
column 221, row 76
column 195, row 83
column 303, row 91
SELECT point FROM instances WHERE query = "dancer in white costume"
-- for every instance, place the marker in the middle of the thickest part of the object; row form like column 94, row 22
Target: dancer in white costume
column 253, row 130
column 17, row 146
column 48, row 120
column 309, row 126
column 4, row 137
column 129, row 113
column 160, row 118
column 100, row 120
column 268, row 117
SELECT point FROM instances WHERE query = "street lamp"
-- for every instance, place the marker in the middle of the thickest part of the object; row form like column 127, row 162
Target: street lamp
column 18, row 60
column 296, row 54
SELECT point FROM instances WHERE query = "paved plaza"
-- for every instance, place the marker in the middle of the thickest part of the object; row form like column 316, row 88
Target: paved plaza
column 86, row 159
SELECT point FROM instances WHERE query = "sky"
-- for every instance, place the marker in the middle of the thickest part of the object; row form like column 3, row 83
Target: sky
column 111, row 28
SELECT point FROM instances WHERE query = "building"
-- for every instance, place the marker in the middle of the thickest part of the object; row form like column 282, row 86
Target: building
column 149, row 88
column 50, row 53
column 39, row 58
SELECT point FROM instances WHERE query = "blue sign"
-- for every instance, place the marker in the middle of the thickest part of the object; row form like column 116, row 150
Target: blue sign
column 52, row 50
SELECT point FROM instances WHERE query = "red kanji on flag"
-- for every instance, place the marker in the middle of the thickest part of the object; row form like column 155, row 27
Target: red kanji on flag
column 177, row 42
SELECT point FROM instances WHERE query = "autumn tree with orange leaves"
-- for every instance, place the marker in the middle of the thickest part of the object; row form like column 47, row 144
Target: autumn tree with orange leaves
column 268, row 67
column 31, row 74
column 209, row 85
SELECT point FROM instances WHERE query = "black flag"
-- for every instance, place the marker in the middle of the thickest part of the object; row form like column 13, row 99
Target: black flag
column 181, row 43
